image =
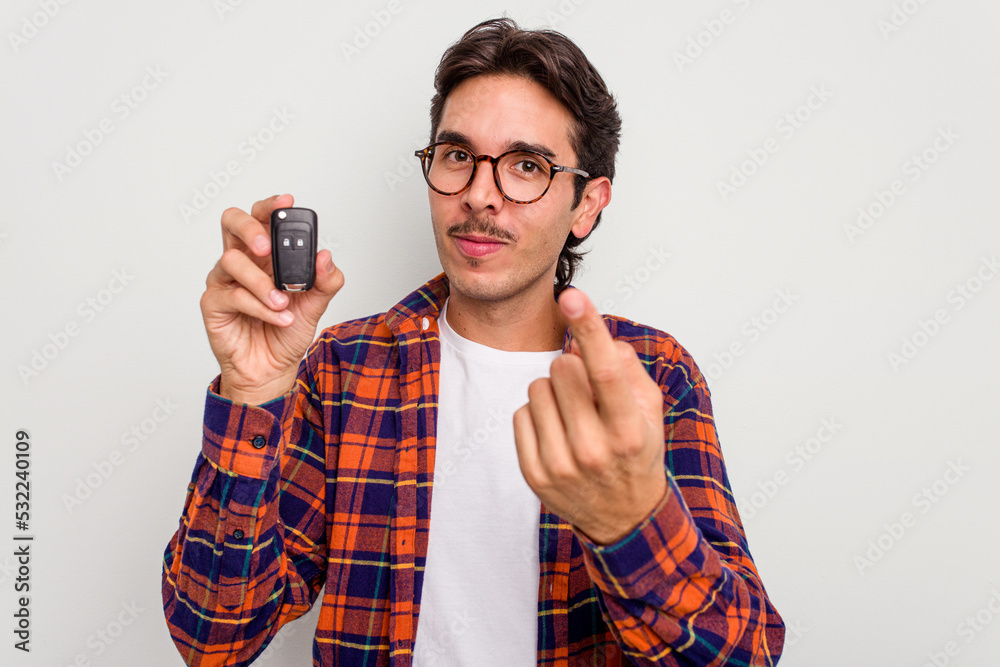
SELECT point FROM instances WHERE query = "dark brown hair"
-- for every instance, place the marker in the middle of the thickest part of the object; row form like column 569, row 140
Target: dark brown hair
column 550, row 59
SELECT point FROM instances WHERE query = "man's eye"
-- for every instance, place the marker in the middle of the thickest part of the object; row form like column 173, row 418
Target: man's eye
column 457, row 155
column 527, row 167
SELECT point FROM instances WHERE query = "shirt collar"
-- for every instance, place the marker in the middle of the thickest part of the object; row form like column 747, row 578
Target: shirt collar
column 426, row 301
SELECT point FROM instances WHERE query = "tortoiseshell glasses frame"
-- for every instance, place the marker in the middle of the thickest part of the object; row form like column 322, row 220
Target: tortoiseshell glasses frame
column 426, row 156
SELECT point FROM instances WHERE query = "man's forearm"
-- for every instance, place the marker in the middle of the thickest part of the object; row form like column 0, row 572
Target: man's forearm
column 676, row 599
column 232, row 546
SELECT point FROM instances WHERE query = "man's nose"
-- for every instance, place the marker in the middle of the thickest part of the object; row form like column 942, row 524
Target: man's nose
column 483, row 192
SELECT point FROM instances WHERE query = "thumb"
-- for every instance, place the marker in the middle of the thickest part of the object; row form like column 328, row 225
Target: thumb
column 329, row 279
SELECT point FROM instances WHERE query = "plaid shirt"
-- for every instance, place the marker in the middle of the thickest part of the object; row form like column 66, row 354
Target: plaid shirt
column 328, row 488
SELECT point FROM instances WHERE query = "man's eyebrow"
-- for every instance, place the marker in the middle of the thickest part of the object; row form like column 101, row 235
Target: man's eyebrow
column 453, row 137
column 537, row 148
column 458, row 138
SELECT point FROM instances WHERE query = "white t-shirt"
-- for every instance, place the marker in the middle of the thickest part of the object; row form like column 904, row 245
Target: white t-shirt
column 479, row 602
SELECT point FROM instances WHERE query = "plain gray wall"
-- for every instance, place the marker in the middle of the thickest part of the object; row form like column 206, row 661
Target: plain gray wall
column 807, row 111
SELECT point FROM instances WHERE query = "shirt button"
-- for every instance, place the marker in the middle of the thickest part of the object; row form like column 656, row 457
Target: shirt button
column 238, row 534
column 427, row 324
column 258, row 441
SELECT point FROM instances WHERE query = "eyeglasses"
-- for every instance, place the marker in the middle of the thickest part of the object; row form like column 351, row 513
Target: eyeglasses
column 522, row 176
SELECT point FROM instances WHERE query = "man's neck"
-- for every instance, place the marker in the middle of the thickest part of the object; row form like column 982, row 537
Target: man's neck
column 525, row 323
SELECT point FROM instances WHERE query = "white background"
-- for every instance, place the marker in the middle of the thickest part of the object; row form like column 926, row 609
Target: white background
column 853, row 587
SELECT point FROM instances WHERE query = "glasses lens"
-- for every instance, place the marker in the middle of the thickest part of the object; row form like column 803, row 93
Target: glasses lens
column 524, row 176
column 449, row 167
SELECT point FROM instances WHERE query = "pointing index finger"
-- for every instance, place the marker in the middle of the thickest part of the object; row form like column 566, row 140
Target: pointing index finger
column 605, row 368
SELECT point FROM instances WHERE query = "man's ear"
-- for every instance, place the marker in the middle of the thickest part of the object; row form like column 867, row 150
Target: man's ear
column 596, row 196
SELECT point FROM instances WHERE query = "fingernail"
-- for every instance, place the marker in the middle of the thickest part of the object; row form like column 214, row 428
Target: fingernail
column 285, row 317
column 262, row 243
column 278, row 298
column 573, row 303
column 329, row 263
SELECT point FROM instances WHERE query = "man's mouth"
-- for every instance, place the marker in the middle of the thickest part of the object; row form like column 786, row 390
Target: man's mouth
column 478, row 246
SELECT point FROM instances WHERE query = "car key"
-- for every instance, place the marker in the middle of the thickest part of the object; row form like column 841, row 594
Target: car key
column 293, row 248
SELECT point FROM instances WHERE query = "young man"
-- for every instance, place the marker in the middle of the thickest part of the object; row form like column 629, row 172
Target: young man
column 593, row 525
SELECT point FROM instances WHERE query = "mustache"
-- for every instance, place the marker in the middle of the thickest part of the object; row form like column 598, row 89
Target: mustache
column 481, row 227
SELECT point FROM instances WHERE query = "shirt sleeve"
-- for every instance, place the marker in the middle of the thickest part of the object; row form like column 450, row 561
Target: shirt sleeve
column 250, row 552
column 681, row 588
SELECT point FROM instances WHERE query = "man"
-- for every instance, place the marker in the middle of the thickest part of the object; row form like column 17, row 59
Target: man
column 593, row 525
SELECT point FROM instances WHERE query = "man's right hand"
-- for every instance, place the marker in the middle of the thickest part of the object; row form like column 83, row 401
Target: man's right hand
column 258, row 333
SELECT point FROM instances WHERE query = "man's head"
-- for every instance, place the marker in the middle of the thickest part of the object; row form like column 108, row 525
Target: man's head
column 535, row 72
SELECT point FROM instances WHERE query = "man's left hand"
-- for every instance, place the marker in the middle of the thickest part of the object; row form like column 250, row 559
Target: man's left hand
column 590, row 438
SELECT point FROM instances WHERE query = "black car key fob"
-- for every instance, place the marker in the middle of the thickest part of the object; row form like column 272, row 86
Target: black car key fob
column 293, row 248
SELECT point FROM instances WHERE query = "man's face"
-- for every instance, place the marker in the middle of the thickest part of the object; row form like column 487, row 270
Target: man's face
column 491, row 115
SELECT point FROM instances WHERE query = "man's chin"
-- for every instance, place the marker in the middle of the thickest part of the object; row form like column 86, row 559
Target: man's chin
column 481, row 285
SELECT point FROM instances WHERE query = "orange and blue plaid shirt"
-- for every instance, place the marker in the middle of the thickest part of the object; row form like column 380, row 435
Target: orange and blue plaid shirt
column 328, row 490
